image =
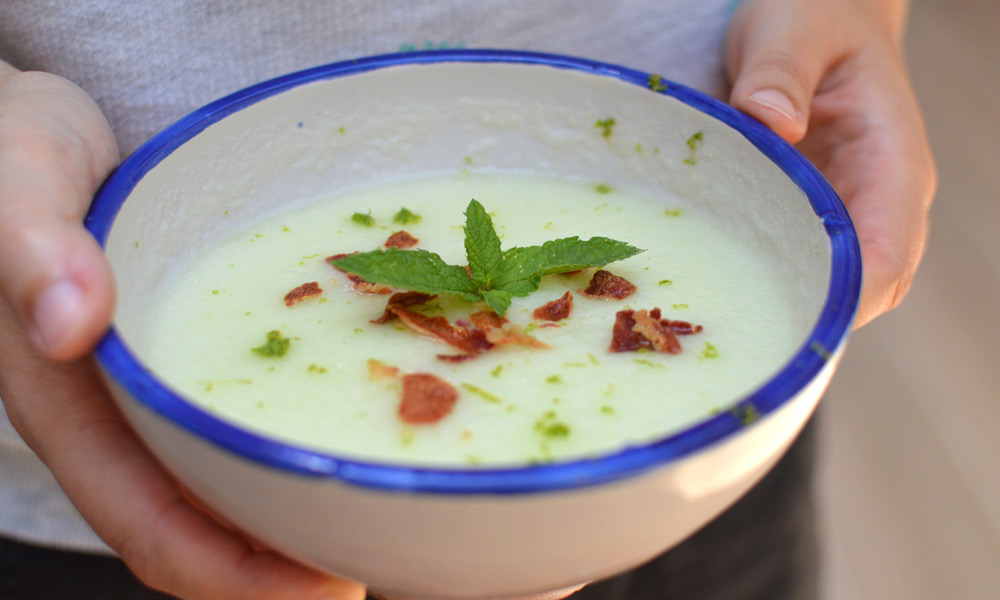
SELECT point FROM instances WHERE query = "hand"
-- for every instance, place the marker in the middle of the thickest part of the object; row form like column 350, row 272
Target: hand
column 829, row 77
column 56, row 298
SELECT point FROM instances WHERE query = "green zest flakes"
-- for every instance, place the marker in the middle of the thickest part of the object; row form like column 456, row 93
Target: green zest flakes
column 693, row 142
column 550, row 428
column 655, row 83
column 482, row 393
column 606, row 126
column 405, row 217
column 363, row 219
column 496, row 275
column 276, row 345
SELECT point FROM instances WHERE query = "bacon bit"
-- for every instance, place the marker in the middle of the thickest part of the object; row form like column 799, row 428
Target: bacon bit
column 426, row 398
column 401, row 240
column 641, row 329
column 470, row 341
column 556, row 310
column 606, row 285
column 623, row 337
column 306, row 290
column 379, row 370
column 487, row 320
column 404, row 299
column 657, row 332
column 678, row 327
column 456, row 358
column 513, row 335
column 360, row 283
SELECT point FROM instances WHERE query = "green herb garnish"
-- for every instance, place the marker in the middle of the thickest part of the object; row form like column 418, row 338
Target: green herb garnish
column 494, row 275
column 602, row 188
column 710, row 351
column 405, row 217
column 363, row 219
column 276, row 345
column 693, row 143
column 655, row 83
column 606, row 126
column 482, row 393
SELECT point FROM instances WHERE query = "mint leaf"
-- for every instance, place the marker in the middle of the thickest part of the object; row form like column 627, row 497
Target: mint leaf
column 482, row 246
column 493, row 276
column 524, row 266
column 498, row 300
column 417, row 270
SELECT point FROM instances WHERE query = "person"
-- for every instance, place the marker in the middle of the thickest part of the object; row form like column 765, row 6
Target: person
column 827, row 76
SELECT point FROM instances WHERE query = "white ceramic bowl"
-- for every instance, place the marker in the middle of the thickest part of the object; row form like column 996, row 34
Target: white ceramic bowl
column 467, row 533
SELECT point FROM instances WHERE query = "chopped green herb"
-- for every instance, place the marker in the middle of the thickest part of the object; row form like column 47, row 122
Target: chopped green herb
column 710, row 351
column 137, row 243
column 215, row 292
column 316, row 369
column 496, row 275
column 554, row 379
column 593, row 359
column 496, row 371
column 665, row 282
column 821, row 351
column 648, row 363
column 468, row 160
column 285, row 228
column 550, row 428
column 672, row 213
column 276, row 345
column 358, row 330
column 681, row 307
column 746, row 413
column 655, row 83
column 606, row 126
column 405, row 217
column 693, row 142
column 482, row 393
column 600, row 188
column 608, row 410
column 406, row 437
column 363, row 219
column 342, row 130
column 638, row 148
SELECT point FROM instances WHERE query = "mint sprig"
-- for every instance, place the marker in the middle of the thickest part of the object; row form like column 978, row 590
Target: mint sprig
column 494, row 276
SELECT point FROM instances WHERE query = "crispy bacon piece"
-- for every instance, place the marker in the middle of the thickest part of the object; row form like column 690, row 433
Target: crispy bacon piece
column 556, row 310
column 426, row 398
column 360, row 283
column 401, row 240
column 656, row 331
column 513, row 335
column 306, row 290
column 606, row 285
column 487, row 320
column 470, row 341
column 404, row 299
column 678, row 327
column 641, row 329
column 380, row 370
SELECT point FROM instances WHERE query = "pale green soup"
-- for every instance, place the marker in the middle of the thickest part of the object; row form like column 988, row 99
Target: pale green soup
column 320, row 395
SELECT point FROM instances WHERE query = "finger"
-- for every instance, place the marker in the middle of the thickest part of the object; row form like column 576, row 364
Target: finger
column 775, row 62
column 55, row 149
column 63, row 412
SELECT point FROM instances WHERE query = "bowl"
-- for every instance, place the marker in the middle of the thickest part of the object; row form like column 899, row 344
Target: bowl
column 427, row 532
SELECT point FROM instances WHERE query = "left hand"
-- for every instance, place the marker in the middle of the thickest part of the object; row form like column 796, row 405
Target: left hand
column 829, row 76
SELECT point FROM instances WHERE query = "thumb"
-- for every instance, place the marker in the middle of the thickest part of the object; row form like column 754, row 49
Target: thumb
column 55, row 149
column 775, row 64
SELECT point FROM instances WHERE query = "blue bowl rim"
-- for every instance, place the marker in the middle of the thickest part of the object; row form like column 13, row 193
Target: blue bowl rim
column 826, row 337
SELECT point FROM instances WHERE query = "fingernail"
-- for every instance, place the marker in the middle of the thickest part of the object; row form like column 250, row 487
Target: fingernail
column 775, row 101
column 57, row 313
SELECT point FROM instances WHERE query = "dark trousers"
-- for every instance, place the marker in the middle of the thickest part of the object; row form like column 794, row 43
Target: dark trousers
column 762, row 548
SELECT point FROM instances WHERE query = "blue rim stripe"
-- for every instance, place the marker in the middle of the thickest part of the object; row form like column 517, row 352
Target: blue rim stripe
column 826, row 337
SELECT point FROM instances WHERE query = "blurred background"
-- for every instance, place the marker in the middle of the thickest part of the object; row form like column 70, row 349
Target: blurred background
column 909, row 484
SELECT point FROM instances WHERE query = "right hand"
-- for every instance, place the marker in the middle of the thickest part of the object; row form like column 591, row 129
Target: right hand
column 56, row 299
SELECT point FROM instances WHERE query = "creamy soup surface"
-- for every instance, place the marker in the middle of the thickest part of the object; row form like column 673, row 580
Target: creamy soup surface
column 516, row 404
